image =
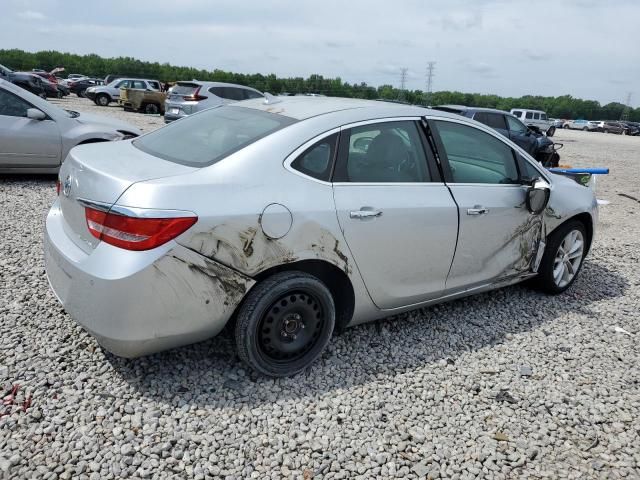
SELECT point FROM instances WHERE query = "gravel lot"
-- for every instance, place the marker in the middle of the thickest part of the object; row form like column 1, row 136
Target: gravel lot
column 507, row 384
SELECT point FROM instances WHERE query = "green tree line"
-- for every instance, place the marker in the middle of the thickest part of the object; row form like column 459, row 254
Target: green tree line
column 564, row 106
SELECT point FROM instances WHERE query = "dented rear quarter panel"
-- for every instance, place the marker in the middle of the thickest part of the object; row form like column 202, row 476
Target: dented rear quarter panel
column 230, row 196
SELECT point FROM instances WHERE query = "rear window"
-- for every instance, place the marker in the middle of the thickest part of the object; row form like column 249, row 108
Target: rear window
column 205, row 138
column 185, row 89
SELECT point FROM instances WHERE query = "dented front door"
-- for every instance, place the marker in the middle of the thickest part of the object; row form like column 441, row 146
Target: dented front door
column 498, row 236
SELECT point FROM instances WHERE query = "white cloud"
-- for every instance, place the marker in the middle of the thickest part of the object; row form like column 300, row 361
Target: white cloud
column 31, row 15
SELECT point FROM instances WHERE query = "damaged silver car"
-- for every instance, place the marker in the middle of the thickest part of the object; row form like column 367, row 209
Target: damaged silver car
column 296, row 216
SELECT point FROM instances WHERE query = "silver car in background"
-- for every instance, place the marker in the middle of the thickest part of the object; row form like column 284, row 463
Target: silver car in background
column 103, row 95
column 299, row 215
column 186, row 98
column 35, row 135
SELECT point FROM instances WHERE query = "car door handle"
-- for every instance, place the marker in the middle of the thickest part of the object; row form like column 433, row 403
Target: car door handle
column 477, row 210
column 360, row 214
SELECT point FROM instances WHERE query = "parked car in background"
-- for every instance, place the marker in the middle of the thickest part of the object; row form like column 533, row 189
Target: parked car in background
column 557, row 122
column 51, row 89
column 594, row 125
column 36, row 136
column 536, row 118
column 105, row 94
column 165, row 253
column 80, row 85
column 576, row 125
column 631, row 128
column 614, row 127
column 186, row 98
column 534, row 143
column 27, row 81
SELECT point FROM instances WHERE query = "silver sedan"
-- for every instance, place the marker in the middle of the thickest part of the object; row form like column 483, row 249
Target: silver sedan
column 296, row 216
column 36, row 136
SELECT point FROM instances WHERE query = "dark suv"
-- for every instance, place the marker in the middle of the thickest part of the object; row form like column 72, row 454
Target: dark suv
column 529, row 139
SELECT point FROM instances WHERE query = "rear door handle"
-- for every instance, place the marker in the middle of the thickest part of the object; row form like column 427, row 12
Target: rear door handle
column 477, row 210
column 361, row 214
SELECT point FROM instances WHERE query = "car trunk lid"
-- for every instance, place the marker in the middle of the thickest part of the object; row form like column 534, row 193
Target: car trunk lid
column 98, row 174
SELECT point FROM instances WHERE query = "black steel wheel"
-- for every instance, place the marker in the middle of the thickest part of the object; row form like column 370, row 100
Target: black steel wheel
column 284, row 323
column 151, row 109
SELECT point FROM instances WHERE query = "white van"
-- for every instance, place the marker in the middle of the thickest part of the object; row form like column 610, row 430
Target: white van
column 536, row 118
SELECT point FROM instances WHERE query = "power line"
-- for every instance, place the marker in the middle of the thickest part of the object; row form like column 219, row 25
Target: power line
column 627, row 108
column 430, row 74
column 403, row 82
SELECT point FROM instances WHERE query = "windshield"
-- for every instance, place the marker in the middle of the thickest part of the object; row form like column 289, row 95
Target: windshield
column 206, row 138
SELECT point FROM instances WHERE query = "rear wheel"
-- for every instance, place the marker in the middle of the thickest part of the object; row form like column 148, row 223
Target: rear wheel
column 103, row 100
column 562, row 259
column 285, row 323
column 551, row 132
column 151, row 109
column 81, row 93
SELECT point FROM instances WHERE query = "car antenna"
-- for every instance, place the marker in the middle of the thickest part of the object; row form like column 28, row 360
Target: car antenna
column 270, row 99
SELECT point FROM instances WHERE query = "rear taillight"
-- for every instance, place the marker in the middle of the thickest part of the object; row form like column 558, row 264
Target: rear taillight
column 195, row 96
column 135, row 233
column 58, row 186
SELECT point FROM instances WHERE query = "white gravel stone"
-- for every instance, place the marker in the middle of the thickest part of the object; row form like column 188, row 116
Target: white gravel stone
column 420, row 389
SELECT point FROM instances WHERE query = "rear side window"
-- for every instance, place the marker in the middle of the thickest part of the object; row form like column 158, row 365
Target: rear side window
column 205, row 138
column 228, row 93
column 390, row 152
column 317, row 160
column 536, row 116
column 529, row 115
column 248, row 94
column 154, row 85
column 495, row 120
column 543, row 116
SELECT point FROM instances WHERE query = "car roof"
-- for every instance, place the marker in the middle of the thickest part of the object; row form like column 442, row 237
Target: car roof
column 304, row 107
column 464, row 108
column 217, row 84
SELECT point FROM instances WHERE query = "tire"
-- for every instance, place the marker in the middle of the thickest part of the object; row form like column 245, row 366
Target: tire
column 565, row 127
column 81, row 93
column 151, row 109
column 103, row 100
column 284, row 324
column 584, row 129
column 606, row 131
column 557, row 281
column 551, row 132
column 624, row 132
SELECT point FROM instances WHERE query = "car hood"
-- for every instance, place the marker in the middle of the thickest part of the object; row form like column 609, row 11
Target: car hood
column 101, row 121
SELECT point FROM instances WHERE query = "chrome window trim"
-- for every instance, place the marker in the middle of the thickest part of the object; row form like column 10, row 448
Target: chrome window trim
column 390, row 184
column 134, row 211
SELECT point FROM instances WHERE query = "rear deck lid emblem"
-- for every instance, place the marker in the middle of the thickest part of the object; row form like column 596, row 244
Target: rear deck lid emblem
column 66, row 186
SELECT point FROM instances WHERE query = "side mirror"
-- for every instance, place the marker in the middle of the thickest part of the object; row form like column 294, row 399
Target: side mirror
column 35, row 114
column 538, row 196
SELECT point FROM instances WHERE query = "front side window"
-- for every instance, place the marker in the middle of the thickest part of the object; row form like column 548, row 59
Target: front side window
column 475, row 156
column 316, row 161
column 543, row 116
column 389, row 152
column 515, row 125
column 12, row 105
column 205, row 138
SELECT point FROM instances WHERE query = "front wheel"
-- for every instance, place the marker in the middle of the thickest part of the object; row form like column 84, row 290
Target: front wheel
column 284, row 323
column 551, row 132
column 562, row 259
column 102, row 100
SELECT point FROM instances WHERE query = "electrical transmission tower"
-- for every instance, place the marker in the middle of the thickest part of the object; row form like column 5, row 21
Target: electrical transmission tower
column 403, row 82
column 430, row 74
column 627, row 108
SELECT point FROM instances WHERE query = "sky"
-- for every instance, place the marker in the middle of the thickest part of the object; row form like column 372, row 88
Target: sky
column 585, row 48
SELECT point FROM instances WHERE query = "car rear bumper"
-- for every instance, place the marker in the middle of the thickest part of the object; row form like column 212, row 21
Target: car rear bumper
column 136, row 303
